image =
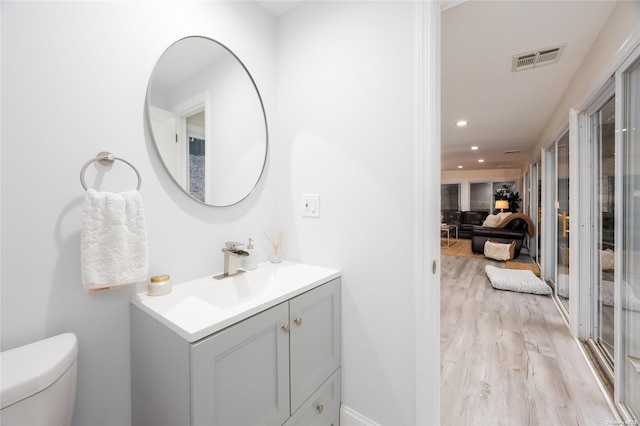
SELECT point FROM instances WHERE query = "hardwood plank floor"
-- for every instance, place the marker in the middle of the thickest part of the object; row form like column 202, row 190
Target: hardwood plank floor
column 507, row 358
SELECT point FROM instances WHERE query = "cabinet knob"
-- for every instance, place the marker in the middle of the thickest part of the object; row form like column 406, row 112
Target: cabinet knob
column 298, row 321
column 285, row 328
column 319, row 408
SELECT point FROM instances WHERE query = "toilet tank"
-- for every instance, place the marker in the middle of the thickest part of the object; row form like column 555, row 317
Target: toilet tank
column 38, row 382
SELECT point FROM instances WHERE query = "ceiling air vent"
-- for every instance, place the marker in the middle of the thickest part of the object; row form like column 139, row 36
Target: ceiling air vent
column 513, row 151
column 537, row 58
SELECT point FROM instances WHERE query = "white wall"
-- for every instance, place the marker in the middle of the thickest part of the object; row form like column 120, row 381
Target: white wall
column 74, row 77
column 347, row 116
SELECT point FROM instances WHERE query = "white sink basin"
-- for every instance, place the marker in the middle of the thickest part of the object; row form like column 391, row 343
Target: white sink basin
column 198, row 308
column 225, row 292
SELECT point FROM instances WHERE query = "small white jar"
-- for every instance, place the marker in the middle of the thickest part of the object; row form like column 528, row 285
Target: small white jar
column 159, row 285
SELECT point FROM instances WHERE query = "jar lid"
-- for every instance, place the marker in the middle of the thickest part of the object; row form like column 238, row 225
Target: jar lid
column 160, row 278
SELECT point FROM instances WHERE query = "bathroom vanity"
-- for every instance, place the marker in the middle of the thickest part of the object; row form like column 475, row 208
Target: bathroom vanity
column 259, row 347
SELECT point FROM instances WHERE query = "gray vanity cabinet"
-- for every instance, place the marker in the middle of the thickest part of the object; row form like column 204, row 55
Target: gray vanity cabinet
column 280, row 366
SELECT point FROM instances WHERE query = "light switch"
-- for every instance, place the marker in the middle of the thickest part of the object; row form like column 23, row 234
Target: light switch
column 311, row 205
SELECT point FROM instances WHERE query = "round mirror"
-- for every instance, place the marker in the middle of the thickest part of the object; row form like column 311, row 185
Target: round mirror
column 207, row 121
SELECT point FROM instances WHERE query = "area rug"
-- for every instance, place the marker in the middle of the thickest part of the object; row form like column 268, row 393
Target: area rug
column 461, row 248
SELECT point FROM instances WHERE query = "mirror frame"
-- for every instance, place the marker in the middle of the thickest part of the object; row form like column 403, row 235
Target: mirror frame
column 157, row 148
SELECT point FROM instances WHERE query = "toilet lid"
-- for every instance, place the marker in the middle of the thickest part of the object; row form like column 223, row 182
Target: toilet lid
column 29, row 369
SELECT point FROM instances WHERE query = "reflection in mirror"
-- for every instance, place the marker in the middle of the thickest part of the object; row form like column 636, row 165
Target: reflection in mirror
column 196, row 163
column 207, row 121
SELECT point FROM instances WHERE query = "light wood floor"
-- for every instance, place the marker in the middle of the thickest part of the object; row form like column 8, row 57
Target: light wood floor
column 508, row 358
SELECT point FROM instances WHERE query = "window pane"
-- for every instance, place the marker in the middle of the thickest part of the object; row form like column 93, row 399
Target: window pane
column 450, row 196
column 480, row 196
column 511, row 185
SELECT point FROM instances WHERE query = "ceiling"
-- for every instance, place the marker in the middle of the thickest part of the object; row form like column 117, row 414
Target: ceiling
column 507, row 111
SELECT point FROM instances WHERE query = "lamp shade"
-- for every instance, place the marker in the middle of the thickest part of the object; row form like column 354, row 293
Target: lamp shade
column 502, row 204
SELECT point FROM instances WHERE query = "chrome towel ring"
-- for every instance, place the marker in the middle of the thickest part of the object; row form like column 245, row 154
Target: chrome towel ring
column 107, row 158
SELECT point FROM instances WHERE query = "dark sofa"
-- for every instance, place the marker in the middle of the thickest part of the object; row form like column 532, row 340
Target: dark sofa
column 465, row 221
column 516, row 229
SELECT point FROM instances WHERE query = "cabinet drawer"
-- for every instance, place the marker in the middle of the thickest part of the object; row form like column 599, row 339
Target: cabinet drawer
column 322, row 408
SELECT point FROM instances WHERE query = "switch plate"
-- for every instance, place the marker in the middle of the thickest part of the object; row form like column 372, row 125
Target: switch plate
column 310, row 205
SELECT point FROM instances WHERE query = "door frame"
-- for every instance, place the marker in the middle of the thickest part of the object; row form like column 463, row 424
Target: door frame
column 427, row 214
column 193, row 105
column 585, row 155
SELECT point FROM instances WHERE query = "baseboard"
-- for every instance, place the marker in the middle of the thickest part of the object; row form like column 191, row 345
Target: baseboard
column 348, row 417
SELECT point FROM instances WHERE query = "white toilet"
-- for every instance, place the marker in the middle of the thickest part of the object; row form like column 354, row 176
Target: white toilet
column 38, row 382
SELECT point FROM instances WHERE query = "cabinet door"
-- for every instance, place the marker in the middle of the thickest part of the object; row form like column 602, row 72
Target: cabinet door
column 240, row 376
column 315, row 340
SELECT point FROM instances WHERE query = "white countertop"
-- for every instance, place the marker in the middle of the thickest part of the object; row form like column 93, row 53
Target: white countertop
column 198, row 308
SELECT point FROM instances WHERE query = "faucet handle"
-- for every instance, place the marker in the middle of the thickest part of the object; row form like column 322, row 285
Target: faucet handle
column 232, row 245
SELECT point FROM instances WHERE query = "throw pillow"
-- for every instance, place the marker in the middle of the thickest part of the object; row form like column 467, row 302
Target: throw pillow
column 491, row 221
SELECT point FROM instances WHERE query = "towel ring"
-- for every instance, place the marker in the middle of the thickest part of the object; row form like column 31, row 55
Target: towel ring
column 106, row 158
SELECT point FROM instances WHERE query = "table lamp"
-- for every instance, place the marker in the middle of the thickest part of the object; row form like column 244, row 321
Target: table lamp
column 502, row 204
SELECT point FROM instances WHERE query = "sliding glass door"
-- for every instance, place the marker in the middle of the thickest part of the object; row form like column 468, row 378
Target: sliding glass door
column 537, row 178
column 548, row 242
column 562, row 220
column 627, row 275
column 603, row 253
column 613, row 266
column 556, row 215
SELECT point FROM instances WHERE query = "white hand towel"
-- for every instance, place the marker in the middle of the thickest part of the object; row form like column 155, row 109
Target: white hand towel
column 113, row 240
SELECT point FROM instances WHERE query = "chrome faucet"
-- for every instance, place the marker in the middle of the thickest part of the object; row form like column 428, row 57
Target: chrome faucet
column 232, row 256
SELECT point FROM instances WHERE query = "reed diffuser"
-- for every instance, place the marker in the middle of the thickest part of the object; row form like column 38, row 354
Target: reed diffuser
column 275, row 245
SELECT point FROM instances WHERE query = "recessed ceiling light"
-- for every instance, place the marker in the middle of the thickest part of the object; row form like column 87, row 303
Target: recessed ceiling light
column 459, row 167
column 461, row 123
column 474, row 148
column 481, row 161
